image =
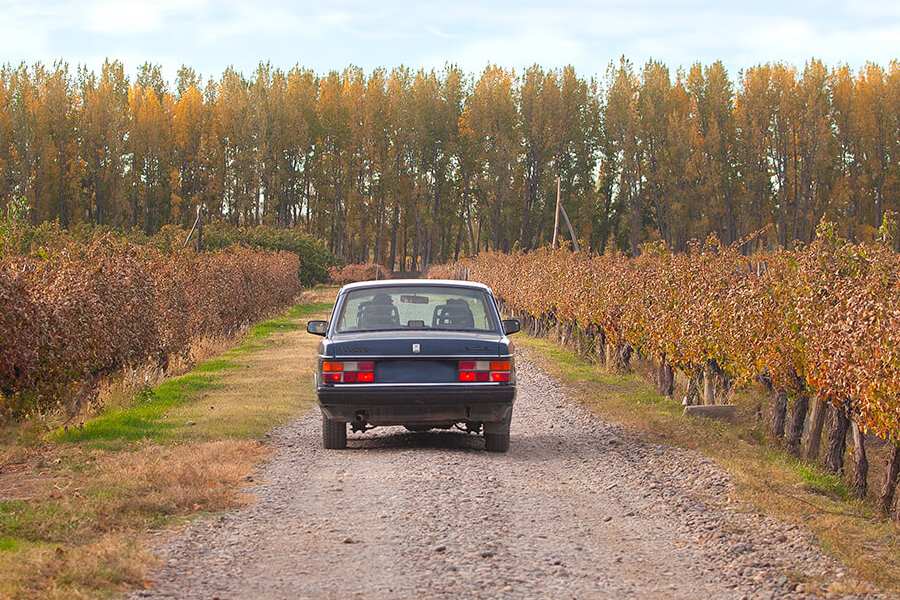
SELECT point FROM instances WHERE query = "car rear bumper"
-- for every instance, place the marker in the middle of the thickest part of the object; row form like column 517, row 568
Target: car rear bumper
column 412, row 404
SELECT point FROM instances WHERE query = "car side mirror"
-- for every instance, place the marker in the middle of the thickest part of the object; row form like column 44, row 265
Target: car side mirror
column 317, row 327
column 511, row 326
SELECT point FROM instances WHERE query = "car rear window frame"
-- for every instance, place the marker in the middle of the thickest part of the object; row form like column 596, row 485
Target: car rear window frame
column 491, row 309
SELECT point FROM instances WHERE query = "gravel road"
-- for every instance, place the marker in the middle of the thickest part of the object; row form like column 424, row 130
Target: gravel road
column 578, row 508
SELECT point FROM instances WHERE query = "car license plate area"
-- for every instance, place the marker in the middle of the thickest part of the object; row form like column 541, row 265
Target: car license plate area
column 415, row 371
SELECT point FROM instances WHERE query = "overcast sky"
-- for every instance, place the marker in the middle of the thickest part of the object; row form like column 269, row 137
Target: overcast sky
column 211, row 35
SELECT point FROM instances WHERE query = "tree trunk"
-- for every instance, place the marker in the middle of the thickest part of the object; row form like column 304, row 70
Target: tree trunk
column 610, row 358
column 779, row 414
column 886, row 501
column 600, row 347
column 798, row 419
column 670, row 381
column 861, row 472
column 665, row 378
column 659, row 376
column 695, row 381
column 618, row 357
column 709, row 383
column 837, row 442
column 816, row 422
column 625, row 353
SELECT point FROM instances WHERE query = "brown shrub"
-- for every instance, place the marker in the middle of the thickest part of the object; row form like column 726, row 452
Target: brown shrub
column 86, row 311
column 358, row 272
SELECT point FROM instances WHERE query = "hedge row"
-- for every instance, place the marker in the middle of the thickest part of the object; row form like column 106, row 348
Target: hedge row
column 82, row 311
column 820, row 322
column 315, row 258
column 357, row 272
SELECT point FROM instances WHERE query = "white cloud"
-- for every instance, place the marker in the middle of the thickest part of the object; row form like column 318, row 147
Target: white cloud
column 521, row 48
column 211, row 34
column 137, row 16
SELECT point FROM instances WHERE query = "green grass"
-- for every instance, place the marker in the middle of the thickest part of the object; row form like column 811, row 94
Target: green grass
column 818, row 481
column 154, row 415
column 572, row 367
column 215, row 365
column 22, row 521
column 147, row 419
column 8, row 544
column 259, row 333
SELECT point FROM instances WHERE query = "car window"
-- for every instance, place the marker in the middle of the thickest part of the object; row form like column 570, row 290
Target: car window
column 416, row 307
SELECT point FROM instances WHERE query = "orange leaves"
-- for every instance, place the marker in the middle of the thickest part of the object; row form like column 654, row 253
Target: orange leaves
column 825, row 317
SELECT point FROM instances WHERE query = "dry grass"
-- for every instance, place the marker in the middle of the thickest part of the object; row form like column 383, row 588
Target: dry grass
column 100, row 568
column 77, row 507
column 768, row 480
column 75, row 529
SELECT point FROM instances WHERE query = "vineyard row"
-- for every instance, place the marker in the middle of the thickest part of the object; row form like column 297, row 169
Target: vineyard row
column 820, row 325
column 81, row 312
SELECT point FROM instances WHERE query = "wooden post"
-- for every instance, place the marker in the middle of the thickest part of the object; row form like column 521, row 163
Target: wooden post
column 798, row 419
column 695, row 382
column 200, row 219
column 861, row 472
column 837, row 442
column 565, row 217
column 193, row 228
column 779, row 413
column 890, row 480
column 556, row 218
column 816, row 422
column 709, row 383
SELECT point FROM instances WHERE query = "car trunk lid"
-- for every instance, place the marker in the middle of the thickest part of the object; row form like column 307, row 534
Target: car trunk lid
column 416, row 356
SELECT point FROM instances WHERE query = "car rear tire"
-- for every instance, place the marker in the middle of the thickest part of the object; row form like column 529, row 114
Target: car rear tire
column 496, row 436
column 334, row 434
column 496, row 442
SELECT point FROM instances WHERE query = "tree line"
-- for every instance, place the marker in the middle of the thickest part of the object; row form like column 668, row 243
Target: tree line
column 412, row 167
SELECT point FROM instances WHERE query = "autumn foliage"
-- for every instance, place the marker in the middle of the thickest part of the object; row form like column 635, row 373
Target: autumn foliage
column 823, row 319
column 408, row 167
column 357, row 272
column 76, row 313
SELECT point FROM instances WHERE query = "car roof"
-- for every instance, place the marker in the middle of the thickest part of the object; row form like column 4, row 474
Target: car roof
column 414, row 282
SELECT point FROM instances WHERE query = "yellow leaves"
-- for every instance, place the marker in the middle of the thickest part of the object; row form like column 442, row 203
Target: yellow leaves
column 801, row 317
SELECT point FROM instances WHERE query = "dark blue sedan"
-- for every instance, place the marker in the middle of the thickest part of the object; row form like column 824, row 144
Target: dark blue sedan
column 424, row 354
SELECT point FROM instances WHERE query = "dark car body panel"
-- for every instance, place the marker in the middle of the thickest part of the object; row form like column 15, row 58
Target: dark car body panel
column 431, row 343
column 418, row 404
column 415, row 372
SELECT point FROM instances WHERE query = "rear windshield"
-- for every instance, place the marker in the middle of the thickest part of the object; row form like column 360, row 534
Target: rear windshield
column 416, row 307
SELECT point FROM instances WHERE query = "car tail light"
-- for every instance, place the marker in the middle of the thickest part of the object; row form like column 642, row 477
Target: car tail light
column 482, row 371
column 362, row 371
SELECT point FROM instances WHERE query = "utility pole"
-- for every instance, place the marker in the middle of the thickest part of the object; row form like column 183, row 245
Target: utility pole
column 562, row 209
column 556, row 218
column 198, row 227
column 569, row 226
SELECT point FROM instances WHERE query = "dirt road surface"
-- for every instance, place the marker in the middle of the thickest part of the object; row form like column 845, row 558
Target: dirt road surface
column 578, row 508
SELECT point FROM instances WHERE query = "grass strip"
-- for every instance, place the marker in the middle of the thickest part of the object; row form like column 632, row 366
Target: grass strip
column 75, row 507
column 767, row 478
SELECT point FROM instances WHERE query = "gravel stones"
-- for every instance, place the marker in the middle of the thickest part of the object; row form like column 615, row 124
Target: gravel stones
column 578, row 508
